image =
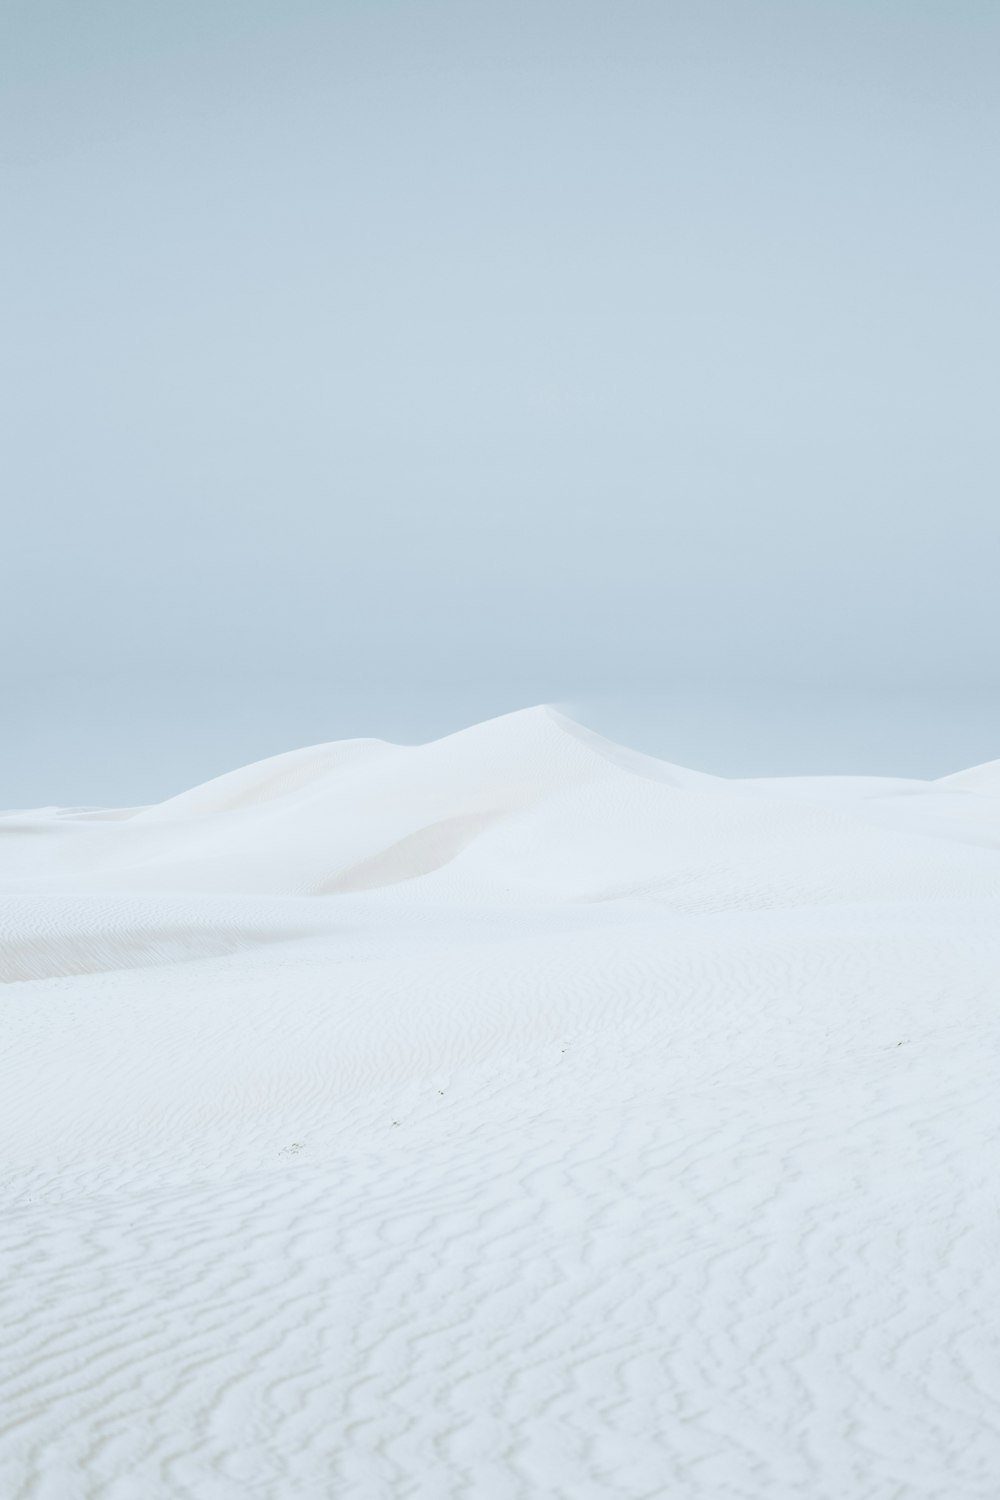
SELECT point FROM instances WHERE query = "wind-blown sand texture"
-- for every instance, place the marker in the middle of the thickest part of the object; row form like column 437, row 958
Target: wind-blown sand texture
column 514, row 1115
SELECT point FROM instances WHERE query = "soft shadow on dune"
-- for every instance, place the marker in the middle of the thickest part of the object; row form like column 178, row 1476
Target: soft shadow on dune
column 103, row 950
column 418, row 854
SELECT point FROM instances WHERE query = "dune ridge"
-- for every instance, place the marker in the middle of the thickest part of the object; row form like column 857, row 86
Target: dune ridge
column 515, row 1114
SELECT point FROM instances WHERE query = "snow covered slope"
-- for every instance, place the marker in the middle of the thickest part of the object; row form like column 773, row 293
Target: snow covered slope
column 514, row 1115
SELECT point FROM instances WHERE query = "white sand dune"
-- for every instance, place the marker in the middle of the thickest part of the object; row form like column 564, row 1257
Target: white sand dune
column 510, row 1116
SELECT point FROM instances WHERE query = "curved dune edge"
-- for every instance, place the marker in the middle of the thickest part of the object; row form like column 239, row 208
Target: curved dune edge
column 636, row 761
column 985, row 777
column 419, row 853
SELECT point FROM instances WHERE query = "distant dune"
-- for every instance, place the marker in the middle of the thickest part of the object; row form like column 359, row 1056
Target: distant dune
column 512, row 1115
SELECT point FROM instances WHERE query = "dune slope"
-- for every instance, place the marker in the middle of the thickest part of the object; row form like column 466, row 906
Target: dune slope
column 513, row 1115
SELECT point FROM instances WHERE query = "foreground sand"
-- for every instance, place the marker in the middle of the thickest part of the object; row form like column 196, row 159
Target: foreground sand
column 508, row 1116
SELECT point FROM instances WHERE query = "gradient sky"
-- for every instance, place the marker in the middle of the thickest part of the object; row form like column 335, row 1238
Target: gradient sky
column 485, row 353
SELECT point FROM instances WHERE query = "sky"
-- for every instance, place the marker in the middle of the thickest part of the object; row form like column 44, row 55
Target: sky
column 372, row 368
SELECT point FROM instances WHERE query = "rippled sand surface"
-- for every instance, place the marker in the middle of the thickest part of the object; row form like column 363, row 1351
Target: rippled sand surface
column 510, row 1116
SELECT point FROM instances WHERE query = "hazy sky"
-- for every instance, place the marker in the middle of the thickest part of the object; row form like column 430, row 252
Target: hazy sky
column 559, row 350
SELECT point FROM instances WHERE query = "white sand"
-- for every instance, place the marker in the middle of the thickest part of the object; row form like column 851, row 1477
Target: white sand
column 513, row 1115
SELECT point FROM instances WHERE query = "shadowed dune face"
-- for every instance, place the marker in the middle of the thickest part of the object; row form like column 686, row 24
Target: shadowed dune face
column 419, row 853
column 101, row 949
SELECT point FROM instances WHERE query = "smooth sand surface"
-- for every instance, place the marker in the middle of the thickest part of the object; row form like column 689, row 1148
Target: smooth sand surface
column 510, row 1116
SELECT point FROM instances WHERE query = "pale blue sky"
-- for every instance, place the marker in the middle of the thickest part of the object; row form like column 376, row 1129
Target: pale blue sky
column 372, row 366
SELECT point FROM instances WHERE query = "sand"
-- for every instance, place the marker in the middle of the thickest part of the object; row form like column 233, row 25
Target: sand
column 513, row 1115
